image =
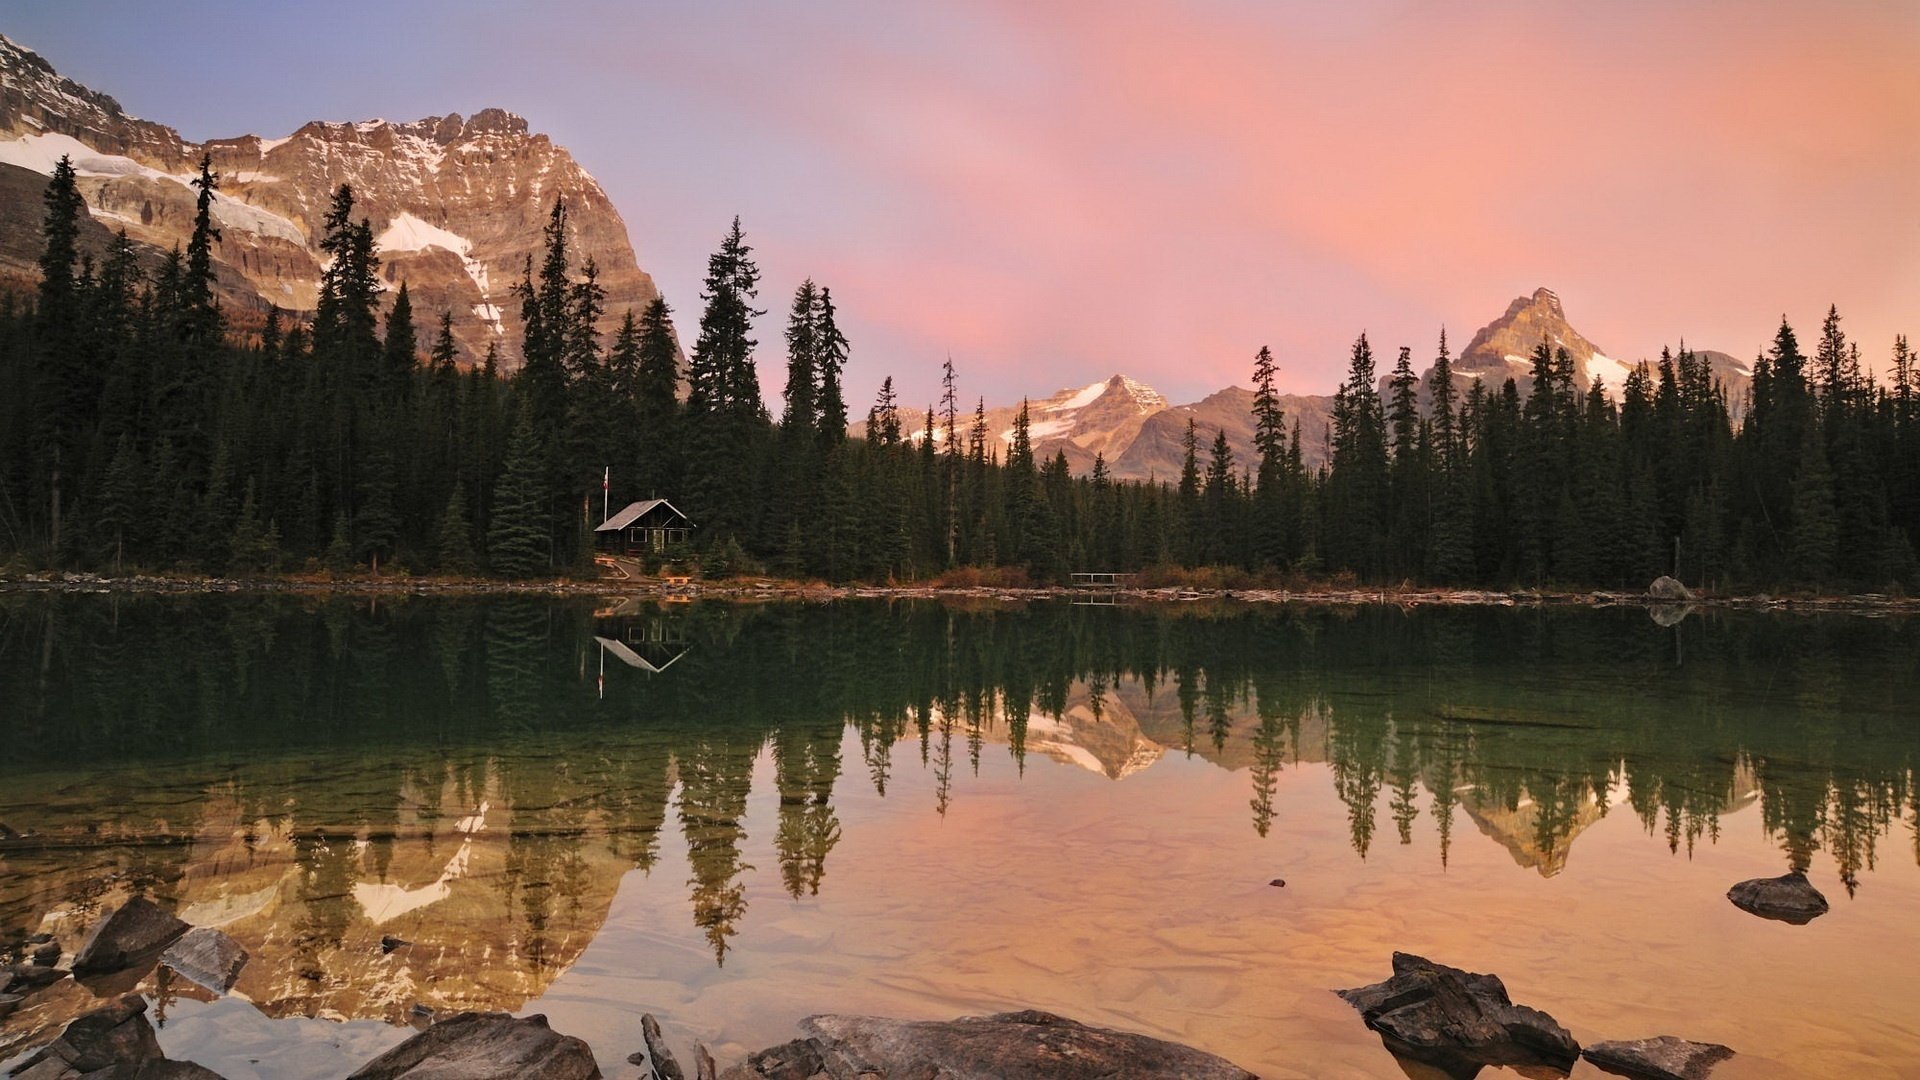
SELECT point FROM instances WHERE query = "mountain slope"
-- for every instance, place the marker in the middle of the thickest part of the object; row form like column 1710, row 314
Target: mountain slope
column 1504, row 348
column 457, row 204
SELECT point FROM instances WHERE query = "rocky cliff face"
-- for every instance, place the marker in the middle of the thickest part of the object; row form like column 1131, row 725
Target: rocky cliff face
column 1503, row 349
column 457, row 204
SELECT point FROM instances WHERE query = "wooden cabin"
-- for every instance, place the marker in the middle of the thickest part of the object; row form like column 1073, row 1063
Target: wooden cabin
column 650, row 526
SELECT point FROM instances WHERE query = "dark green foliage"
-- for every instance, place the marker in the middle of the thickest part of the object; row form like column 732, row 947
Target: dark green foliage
column 136, row 431
column 516, row 539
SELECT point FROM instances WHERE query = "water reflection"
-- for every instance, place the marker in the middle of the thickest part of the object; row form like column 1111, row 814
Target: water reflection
column 477, row 777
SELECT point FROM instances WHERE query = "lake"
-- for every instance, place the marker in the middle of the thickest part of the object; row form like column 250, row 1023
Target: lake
column 734, row 816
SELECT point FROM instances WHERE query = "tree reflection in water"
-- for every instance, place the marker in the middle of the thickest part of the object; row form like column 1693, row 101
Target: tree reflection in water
column 358, row 736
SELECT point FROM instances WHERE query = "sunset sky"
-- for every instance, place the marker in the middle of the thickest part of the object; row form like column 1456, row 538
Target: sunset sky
column 1054, row 192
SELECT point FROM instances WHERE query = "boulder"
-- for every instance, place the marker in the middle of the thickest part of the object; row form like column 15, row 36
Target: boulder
column 485, row 1046
column 657, row 1059
column 26, row 978
column 1663, row 1057
column 207, row 958
column 47, row 955
column 1668, row 589
column 1458, row 1021
column 1009, row 1044
column 117, row 1035
column 1789, row 898
column 139, row 929
column 8, row 1003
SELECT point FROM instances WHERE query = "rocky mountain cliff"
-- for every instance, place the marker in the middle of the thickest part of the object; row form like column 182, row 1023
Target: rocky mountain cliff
column 1504, row 348
column 457, row 204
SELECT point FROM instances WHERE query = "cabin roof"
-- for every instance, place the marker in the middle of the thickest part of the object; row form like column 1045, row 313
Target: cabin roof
column 634, row 512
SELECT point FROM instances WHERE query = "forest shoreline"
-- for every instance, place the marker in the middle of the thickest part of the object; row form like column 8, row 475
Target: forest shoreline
column 766, row 589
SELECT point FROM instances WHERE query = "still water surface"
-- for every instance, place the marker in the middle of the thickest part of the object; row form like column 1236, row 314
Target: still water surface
column 733, row 817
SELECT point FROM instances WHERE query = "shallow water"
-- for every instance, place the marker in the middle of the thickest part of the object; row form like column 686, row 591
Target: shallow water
column 733, row 817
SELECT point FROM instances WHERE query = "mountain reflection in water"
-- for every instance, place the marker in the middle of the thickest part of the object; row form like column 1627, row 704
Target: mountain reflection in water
column 478, row 777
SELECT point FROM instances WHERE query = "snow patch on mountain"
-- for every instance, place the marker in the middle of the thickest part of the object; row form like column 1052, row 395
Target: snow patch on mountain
column 1081, row 399
column 409, row 233
column 41, row 153
column 1602, row 367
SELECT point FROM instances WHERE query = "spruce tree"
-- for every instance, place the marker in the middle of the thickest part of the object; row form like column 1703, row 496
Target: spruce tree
column 516, row 535
column 830, row 351
column 803, row 363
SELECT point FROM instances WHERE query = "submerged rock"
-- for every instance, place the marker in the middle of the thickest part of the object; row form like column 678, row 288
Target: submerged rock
column 138, row 930
column 1789, row 898
column 8, row 1003
column 1663, row 1057
column 1458, row 1021
column 657, row 1059
column 207, row 958
column 116, row 1036
column 1009, row 1044
column 485, row 1046
column 26, row 978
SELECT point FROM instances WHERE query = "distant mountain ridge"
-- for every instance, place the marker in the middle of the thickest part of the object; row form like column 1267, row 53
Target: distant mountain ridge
column 457, row 204
column 1143, row 436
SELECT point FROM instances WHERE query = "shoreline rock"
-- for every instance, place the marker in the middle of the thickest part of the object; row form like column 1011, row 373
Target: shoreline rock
column 1030, row 1043
column 1458, row 1021
column 1789, row 898
column 485, row 1046
column 134, row 933
column 1663, row 1057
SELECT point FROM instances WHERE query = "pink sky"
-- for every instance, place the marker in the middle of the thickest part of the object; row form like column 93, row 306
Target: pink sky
column 1056, row 191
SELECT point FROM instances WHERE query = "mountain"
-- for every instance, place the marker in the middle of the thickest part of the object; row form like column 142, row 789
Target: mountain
column 1503, row 348
column 1144, row 437
column 457, row 204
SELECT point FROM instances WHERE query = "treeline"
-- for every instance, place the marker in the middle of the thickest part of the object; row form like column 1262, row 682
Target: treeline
column 139, row 430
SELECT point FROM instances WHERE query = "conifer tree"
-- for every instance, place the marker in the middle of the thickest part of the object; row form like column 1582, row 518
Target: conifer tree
column 725, row 417
column 516, row 534
column 803, row 363
column 830, row 351
column 453, row 549
column 401, row 348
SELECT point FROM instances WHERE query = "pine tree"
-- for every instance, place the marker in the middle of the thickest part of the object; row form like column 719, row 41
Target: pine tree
column 401, row 348
column 830, row 351
column 1815, row 535
column 376, row 523
column 883, row 420
column 517, row 535
column 453, row 549
column 656, row 400
column 255, row 547
column 725, row 417
column 803, row 361
column 1270, row 524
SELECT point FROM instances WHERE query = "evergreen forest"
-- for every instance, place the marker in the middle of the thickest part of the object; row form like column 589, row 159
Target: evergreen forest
column 144, row 427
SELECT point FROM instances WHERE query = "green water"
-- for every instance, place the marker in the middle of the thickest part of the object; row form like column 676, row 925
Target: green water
column 733, row 816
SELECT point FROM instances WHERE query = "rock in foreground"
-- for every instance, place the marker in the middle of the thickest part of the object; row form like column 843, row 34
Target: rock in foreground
column 138, row 930
column 1789, row 898
column 1661, row 1058
column 975, row 1048
column 1457, row 1020
column 206, row 957
column 485, row 1046
column 116, row 1043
